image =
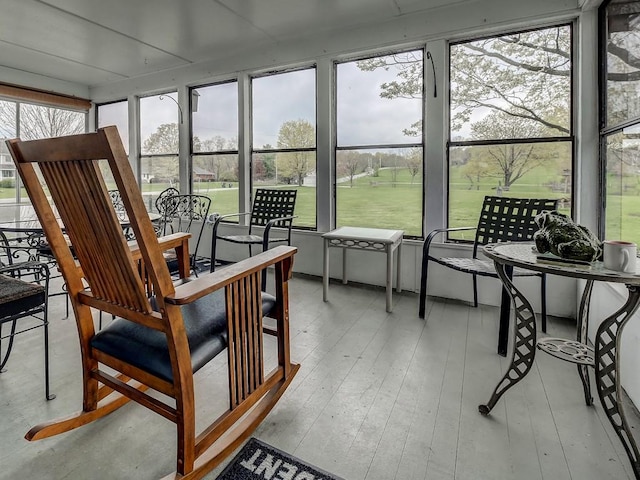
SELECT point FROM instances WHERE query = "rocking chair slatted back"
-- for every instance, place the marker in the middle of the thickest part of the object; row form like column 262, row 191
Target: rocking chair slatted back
column 90, row 221
column 166, row 331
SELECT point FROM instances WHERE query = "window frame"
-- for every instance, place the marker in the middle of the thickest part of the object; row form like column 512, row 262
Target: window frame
column 258, row 151
column 604, row 131
column 422, row 47
column 570, row 138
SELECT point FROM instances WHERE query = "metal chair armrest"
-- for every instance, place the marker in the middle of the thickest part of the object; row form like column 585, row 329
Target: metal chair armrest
column 270, row 223
column 220, row 217
column 438, row 231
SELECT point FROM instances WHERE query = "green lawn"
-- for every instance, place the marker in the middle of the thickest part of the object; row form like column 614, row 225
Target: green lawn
column 384, row 203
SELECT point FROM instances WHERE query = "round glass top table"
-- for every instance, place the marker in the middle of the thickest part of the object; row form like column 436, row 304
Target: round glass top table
column 604, row 357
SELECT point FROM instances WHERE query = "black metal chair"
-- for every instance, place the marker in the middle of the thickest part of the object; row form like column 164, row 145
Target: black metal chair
column 187, row 214
column 166, row 193
column 31, row 247
column 271, row 208
column 20, row 299
column 502, row 219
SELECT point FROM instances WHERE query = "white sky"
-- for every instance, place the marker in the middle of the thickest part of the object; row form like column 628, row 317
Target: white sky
column 363, row 117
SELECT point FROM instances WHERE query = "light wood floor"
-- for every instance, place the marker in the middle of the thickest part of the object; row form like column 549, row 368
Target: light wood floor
column 378, row 397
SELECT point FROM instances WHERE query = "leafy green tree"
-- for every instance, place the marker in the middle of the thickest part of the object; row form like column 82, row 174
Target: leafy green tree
column 524, row 75
column 518, row 84
column 296, row 165
column 409, row 82
column 163, row 141
column 475, row 169
column 222, row 166
column 509, row 161
column 414, row 162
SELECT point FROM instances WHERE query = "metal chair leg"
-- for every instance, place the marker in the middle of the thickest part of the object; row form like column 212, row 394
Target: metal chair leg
column 212, row 267
column 543, row 293
column 3, row 360
column 423, row 287
column 475, row 291
column 47, row 390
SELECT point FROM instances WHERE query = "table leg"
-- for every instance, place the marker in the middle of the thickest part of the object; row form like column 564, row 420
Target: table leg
column 505, row 313
column 607, row 349
column 524, row 342
column 389, row 278
column 583, row 332
column 325, row 271
column 398, row 264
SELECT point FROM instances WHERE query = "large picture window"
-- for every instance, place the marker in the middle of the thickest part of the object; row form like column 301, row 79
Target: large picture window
column 283, row 107
column 115, row 113
column 159, row 116
column 29, row 122
column 214, row 145
column 379, row 142
column 620, row 119
column 511, row 129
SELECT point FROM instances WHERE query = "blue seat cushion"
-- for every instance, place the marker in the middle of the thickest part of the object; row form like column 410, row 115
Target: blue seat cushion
column 206, row 326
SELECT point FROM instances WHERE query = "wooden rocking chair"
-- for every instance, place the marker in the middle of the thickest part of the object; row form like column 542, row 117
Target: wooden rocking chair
column 164, row 331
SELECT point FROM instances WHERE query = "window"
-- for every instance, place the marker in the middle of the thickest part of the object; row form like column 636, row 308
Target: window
column 29, row 122
column 159, row 145
column 620, row 119
column 115, row 113
column 214, row 145
column 379, row 142
column 511, row 129
column 284, row 137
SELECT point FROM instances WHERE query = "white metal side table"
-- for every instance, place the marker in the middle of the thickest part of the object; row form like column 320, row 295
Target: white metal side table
column 373, row 239
column 604, row 358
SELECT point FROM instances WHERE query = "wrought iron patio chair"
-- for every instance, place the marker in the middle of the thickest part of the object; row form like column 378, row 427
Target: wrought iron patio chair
column 501, row 219
column 271, row 208
column 187, row 214
column 159, row 341
column 24, row 294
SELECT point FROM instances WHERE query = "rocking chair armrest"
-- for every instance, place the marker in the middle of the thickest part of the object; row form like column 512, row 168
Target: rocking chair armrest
column 166, row 242
column 438, row 231
column 203, row 285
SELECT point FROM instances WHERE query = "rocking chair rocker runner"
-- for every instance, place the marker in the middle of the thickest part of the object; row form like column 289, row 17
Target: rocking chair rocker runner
column 165, row 331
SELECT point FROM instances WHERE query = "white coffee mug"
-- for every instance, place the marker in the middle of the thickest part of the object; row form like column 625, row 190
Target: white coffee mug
column 620, row 256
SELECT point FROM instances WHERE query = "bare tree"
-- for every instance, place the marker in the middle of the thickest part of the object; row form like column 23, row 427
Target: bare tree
column 39, row 121
column 349, row 163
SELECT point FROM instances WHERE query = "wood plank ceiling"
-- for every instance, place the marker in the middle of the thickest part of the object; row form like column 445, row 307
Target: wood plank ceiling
column 94, row 42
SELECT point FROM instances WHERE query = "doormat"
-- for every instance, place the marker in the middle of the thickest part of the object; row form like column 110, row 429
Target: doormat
column 257, row 460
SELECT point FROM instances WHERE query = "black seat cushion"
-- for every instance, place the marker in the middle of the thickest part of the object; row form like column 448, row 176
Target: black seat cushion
column 206, row 325
column 250, row 239
column 479, row 266
column 18, row 296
